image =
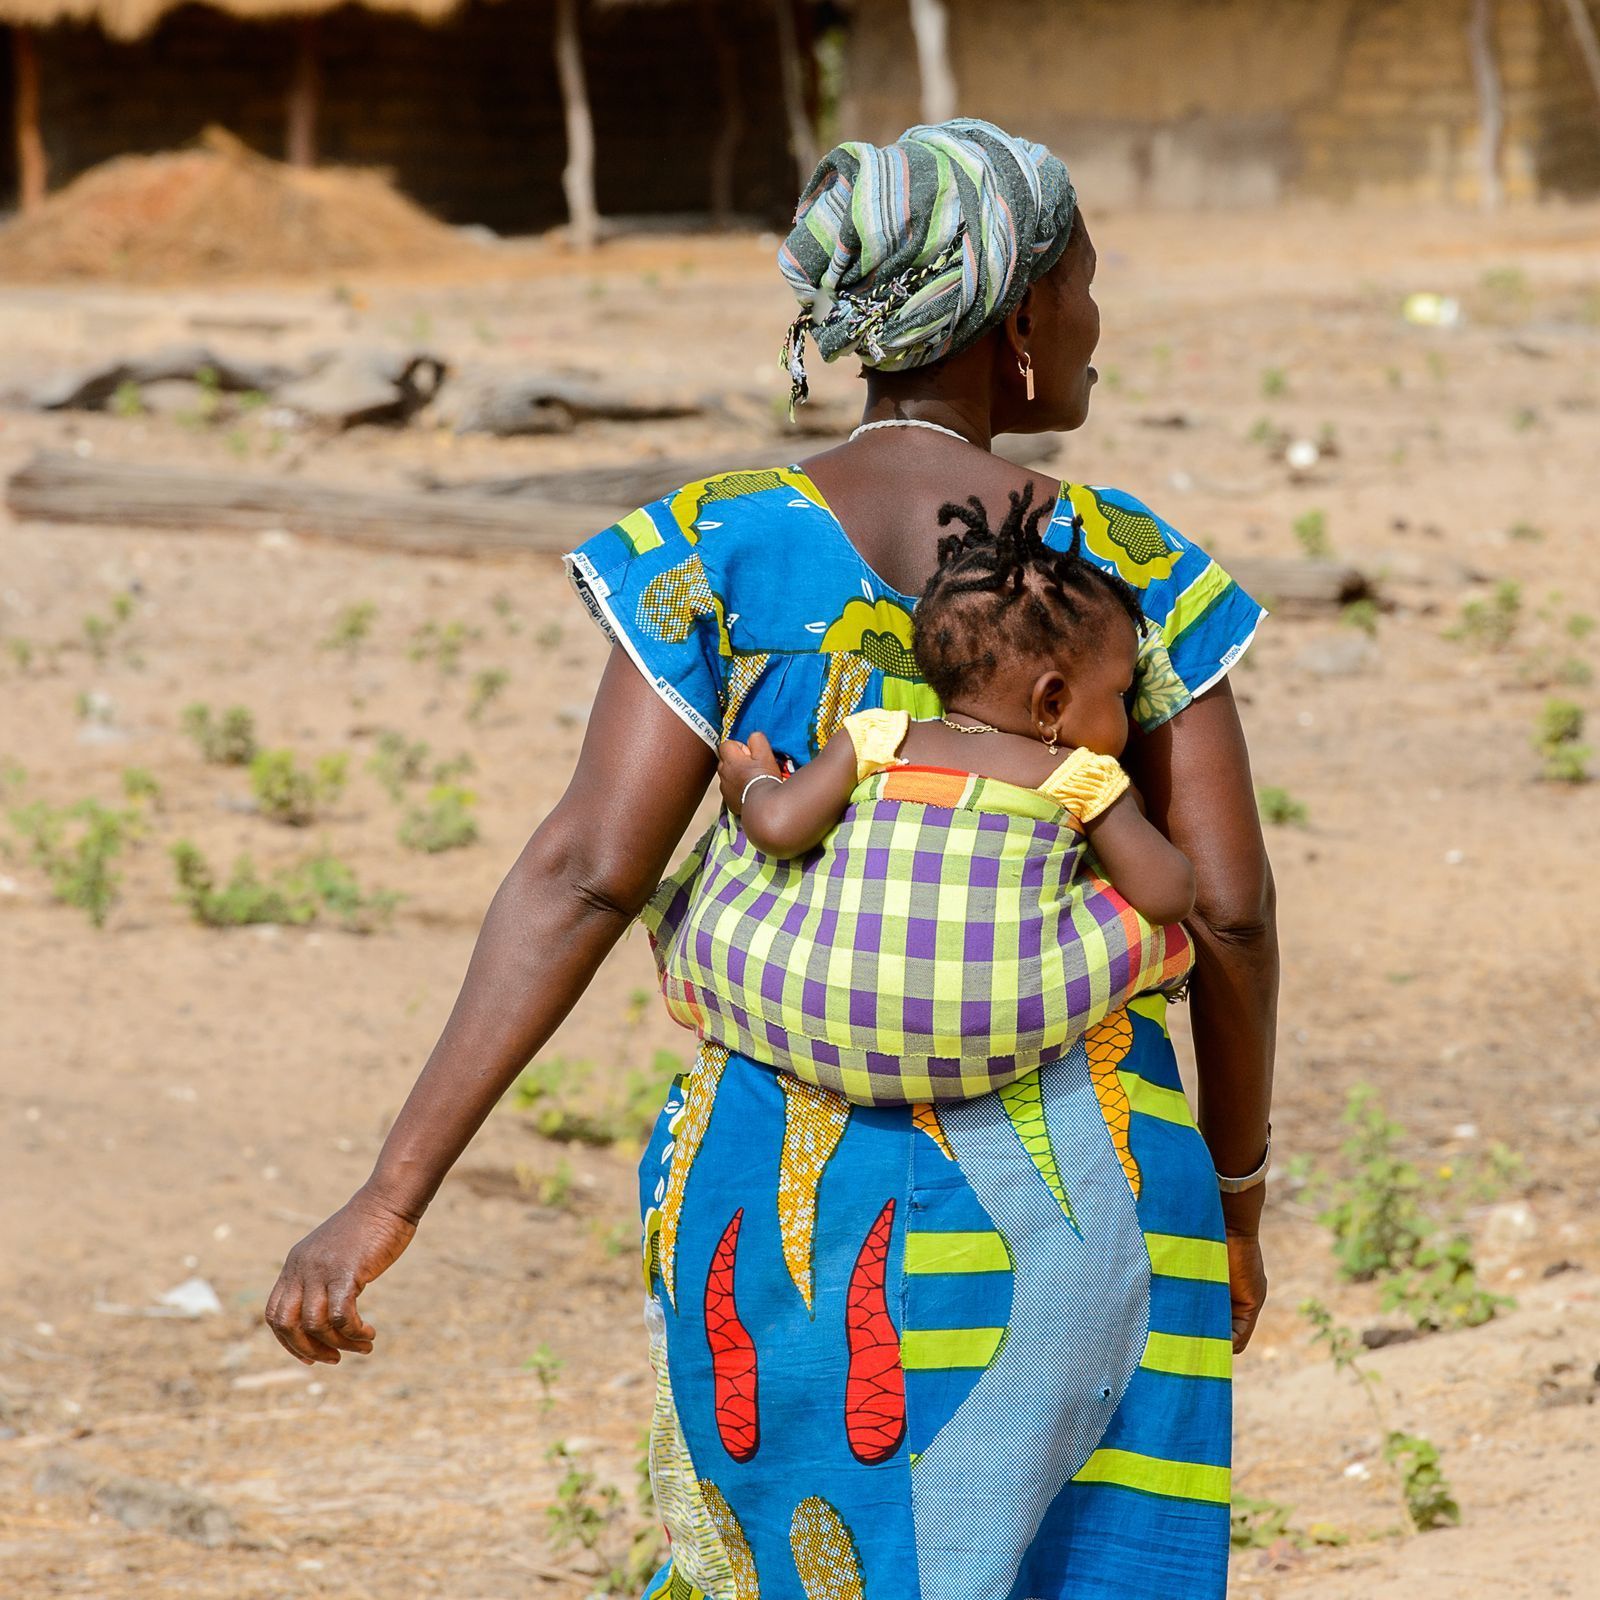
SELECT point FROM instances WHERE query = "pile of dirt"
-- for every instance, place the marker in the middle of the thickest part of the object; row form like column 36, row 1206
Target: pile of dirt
column 220, row 210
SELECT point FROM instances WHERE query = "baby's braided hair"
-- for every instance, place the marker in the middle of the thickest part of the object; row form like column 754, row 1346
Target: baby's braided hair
column 1005, row 592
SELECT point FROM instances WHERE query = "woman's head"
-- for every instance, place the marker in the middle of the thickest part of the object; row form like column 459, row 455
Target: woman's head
column 1032, row 638
column 960, row 243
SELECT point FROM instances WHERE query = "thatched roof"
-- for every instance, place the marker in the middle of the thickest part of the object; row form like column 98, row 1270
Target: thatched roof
column 131, row 19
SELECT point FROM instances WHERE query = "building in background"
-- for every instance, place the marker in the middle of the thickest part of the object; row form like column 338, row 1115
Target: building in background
column 517, row 114
column 1248, row 102
column 461, row 102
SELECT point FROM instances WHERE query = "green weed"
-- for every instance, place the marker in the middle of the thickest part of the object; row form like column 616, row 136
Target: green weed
column 1311, row 534
column 139, row 784
column 1490, row 624
column 1280, row 808
column 1429, row 1499
column 74, row 846
column 1441, row 1289
column 224, row 738
column 293, row 897
column 548, row 635
column 1558, row 738
column 1419, row 1484
column 1260, row 1524
column 292, row 795
column 127, row 400
column 545, row 1365
column 21, row 653
column 1274, row 383
column 487, row 687
column 444, row 822
column 559, row 1095
column 351, row 627
column 442, row 644
column 1361, row 614
column 1526, row 533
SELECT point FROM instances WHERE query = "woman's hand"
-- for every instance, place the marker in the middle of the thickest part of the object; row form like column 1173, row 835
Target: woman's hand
column 1247, row 1275
column 738, row 763
column 312, row 1307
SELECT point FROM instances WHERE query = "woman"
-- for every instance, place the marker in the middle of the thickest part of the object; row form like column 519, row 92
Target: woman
column 906, row 1356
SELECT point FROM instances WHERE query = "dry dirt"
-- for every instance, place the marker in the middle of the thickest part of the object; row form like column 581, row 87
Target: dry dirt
column 179, row 1101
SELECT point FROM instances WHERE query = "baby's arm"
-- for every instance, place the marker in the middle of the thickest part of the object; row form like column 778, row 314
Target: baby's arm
column 1152, row 874
column 787, row 818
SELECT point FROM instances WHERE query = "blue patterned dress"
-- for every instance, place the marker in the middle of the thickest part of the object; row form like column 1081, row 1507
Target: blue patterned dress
column 978, row 1352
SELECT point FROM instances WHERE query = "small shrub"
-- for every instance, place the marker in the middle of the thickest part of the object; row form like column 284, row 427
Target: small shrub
column 21, row 653
column 445, row 822
column 74, row 846
column 1375, row 1210
column 225, row 738
column 545, row 1365
column 1490, row 624
column 443, row 644
column 1429, row 1499
column 293, row 897
column 291, row 795
column 127, row 400
column 548, row 635
column 487, row 686
column 351, row 627
column 1526, row 532
column 1311, row 534
column 1280, row 808
column 1558, row 739
column 397, row 761
column 1579, row 625
column 1361, row 614
column 139, row 784
column 1441, row 1290
column 1274, row 383
column 552, row 1090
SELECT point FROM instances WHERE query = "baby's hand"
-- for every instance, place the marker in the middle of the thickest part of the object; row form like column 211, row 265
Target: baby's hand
column 738, row 763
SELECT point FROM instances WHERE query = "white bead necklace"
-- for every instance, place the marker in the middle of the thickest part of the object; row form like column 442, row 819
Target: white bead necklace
column 908, row 422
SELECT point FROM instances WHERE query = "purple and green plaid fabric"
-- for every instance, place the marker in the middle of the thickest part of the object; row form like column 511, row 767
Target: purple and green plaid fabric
column 947, row 937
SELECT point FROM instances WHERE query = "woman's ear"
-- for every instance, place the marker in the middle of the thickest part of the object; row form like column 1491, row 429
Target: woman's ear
column 1048, row 703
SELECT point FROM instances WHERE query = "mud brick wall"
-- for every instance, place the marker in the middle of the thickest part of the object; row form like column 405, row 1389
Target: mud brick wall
column 466, row 115
column 1245, row 102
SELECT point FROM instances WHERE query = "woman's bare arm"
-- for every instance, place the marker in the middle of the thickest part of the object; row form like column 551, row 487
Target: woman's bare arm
column 579, row 882
column 1194, row 772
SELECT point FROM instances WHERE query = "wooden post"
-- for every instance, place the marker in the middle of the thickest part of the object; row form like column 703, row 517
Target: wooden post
column 577, row 177
column 1588, row 41
column 305, row 94
column 802, row 136
column 1491, row 106
column 730, row 99
column 32, row 169
column 930, row 27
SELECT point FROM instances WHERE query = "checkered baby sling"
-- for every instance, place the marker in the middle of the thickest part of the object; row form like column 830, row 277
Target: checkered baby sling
column 948, row 936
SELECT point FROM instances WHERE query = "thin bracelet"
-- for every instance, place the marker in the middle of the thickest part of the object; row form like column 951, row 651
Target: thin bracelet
column 760, row 777
column 1238, row 1185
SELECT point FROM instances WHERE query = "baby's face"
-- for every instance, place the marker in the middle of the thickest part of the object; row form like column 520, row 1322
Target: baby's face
column 1096, row 712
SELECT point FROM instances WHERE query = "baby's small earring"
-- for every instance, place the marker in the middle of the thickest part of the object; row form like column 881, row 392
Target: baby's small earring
column 1047, row 737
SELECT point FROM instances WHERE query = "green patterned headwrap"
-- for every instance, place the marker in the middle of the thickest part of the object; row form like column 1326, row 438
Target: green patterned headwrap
column 907, row 253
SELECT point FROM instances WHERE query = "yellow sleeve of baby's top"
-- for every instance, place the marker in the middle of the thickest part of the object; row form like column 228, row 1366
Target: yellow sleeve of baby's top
column 876, row 735
column 1086, row 783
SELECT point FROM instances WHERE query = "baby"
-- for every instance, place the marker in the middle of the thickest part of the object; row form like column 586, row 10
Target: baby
column 931, row 909
column 1031, row 651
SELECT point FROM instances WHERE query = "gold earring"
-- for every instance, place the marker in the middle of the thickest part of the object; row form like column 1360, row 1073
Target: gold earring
column 1047, row 737
column 1025, row 367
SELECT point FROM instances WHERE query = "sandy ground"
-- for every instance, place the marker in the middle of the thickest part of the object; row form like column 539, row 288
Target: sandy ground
column 180, row 1101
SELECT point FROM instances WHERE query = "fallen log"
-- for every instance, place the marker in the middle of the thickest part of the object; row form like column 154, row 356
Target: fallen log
column 1288, row 582
column 94, row 388
column 54, row 487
